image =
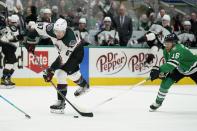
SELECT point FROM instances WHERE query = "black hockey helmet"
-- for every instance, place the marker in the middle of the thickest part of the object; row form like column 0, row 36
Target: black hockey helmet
column 172, row 38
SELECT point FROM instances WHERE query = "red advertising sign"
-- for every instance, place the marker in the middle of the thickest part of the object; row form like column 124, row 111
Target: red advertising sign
column 41, row 59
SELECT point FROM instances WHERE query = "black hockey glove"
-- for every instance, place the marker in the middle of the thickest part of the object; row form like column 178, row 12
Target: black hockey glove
column 31, row 48
column 154, row 74
column 20, row 37
column 48, row 74
column 149, row 58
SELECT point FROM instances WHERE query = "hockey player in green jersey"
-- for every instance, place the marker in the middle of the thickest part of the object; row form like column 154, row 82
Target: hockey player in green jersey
column 180, row 63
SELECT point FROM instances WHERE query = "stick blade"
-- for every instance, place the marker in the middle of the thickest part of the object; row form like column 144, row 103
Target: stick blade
column 88, row 114
column 28, row 116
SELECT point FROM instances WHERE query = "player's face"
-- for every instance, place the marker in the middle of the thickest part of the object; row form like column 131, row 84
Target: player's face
column 168, row 45
column 82, row 25
column 59, row 34
column 107, row 24
column 165, row 23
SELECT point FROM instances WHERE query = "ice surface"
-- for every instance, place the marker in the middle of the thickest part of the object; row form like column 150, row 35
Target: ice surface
column 126, row 113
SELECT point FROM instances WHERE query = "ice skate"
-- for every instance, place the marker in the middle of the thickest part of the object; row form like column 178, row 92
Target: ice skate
column 154, row 107
column 81, row 91
column 58, row 107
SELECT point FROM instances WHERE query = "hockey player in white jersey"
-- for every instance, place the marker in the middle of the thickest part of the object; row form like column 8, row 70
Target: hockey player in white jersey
column 82, row 31
column 154, row 38
column 186, row 36
column 67, row 63
column 9, row 41
column 107, row 36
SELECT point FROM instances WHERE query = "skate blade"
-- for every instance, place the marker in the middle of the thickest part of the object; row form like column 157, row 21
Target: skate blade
column 151, row 110
column 55, row 111
column 6, row 87
column 83, row 93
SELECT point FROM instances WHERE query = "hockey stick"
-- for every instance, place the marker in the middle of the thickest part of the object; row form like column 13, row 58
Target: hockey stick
column 26, row 115
column 85, row 114
column 120, row 94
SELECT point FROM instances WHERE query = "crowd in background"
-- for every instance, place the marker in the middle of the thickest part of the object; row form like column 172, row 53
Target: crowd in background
column 102, row 22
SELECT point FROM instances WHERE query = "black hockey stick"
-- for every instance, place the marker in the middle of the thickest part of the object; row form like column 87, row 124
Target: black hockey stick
column 85, row 114
column 13, row 105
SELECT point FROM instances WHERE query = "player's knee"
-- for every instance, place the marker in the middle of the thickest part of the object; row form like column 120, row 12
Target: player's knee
column 9, row 66
column 61, row 77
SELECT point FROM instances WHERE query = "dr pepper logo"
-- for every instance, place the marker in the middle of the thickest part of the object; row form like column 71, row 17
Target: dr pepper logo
column 136, row 63
column 111, row 62
column 41, row 58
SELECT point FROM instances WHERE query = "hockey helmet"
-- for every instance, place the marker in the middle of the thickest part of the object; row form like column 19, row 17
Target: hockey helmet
column 171, row 38
column 166, row 17
column 60, row 25
column 13, row 19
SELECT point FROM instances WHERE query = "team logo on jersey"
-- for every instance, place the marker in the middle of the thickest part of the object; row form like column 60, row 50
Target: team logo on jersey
column 111, row 63
column 39, row 63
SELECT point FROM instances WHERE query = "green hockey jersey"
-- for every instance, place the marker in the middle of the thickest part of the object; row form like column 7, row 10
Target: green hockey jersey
column 179, row 57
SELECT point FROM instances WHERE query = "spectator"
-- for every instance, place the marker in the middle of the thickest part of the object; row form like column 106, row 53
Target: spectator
column 11, row 4
column 54, row 15
column 82, row 31
column 31, row 14
column 123, row 25
column 161, row 13
column 108, row 36
column 186, row 36
column 177, row 25
column 166, row 23
column 152, row 18
column 46, row 15
column 194, row 23
column 144, row 23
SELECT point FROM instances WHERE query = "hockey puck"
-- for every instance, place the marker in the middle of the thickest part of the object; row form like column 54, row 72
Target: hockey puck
column 76, row 116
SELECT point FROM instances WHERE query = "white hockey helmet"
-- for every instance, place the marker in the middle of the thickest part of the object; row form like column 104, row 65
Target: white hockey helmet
column 47, row 11
column 187, row 23
column 166, row 17
column 13, row 19
column 60, row 25
column 82, row 21
column 107, row 19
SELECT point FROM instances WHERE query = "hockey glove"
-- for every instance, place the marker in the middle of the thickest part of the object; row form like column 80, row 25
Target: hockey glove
column 155, row 72
column 30, row 47
column 48, row 74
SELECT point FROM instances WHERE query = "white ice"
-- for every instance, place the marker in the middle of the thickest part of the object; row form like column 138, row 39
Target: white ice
column 129, row 112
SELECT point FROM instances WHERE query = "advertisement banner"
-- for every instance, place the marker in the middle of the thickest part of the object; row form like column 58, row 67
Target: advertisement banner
column 121, row 62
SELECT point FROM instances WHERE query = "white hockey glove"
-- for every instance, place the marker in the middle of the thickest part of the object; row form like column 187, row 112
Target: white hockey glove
column 150, row 36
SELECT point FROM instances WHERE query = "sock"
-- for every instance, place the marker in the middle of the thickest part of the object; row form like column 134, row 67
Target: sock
column 10, row 73
column 6, row 73
column 63, row 89
column 161, row 96
column 165, row 86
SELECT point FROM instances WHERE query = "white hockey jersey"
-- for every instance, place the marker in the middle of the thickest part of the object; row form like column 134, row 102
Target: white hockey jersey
column 65, row 46
column 108, row 36
column 9, row 35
